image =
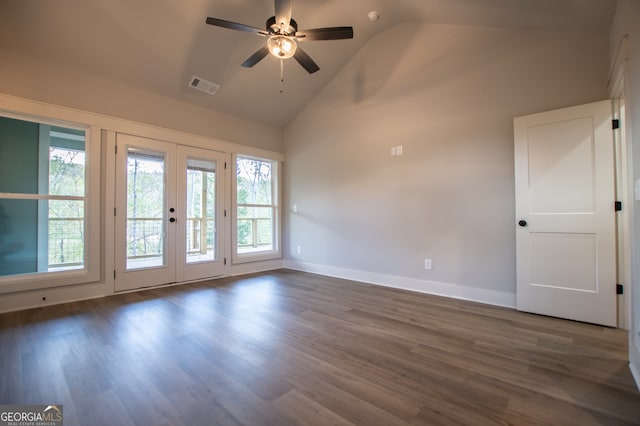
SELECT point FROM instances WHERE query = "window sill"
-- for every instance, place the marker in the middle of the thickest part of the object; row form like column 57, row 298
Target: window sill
column 44, row 280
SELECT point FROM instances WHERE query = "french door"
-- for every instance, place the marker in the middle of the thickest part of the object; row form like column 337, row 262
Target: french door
column 169, row 213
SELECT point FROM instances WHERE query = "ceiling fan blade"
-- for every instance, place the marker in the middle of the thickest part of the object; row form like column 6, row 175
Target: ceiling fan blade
column 306, row 61
column 236, row 26
column 283, row 12
column 256, row 57
column 332, row 33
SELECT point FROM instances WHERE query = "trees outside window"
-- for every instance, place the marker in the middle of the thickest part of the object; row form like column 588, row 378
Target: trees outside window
column 256, row 206
column 66, row 217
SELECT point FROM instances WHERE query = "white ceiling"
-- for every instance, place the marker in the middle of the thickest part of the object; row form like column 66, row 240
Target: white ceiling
column 158, row 45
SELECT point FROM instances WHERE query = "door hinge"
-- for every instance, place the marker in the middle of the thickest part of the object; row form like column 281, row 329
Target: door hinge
column 619, row 289
column 114, row 274
column 225, row 165
column 114, row 211
column 615, row 124
column 225, row 213
column 225, row 260
column 116, row 149
column 618, row 206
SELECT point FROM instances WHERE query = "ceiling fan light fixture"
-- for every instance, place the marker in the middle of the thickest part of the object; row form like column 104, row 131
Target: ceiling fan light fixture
column 282, row 34
column 282, row 47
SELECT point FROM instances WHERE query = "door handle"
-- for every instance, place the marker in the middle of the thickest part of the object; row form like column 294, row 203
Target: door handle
column 522, row 223
column 173, row 219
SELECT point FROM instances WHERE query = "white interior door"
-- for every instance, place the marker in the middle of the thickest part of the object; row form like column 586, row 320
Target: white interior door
column 565, row 237
column 169, row 213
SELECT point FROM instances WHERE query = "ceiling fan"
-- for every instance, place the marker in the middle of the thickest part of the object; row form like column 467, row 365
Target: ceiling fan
column 283, row 34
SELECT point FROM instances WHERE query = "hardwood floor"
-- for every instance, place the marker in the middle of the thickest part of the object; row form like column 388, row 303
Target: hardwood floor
column 285, row 348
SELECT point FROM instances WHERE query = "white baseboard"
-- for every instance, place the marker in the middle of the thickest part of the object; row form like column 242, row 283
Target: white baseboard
column 255, row 267
column 490, row 297
column 51, row 296
column 635, row 373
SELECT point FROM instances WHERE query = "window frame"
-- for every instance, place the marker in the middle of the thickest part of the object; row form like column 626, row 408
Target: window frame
column 276, row 251
column 92, row 215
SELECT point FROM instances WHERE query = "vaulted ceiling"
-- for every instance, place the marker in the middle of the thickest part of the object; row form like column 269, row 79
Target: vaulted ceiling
column 158, row 45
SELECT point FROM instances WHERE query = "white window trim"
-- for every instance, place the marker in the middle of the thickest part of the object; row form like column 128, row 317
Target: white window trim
column 276, row 252
column 91, row 271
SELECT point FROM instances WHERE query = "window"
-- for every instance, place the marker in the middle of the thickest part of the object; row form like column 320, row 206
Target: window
column 256, row 214
column 44, row 200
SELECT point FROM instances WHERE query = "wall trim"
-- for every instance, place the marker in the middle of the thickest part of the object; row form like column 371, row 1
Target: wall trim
column 635, row 373
column 54, row 296
column 255, row 267
column 454, row 291
column 37, row 109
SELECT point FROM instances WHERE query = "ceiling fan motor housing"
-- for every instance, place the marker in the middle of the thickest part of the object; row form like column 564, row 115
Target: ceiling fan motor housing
column 274, row 28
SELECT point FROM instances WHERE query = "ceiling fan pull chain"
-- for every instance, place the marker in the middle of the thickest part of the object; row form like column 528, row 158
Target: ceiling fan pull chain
column 281, row 76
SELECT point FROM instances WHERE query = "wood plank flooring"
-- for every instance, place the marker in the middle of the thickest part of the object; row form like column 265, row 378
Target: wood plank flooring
column 290, row 348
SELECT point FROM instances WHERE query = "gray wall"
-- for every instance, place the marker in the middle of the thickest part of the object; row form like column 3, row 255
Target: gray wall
column 54, row 83
column 627, row 21
column 448, row 95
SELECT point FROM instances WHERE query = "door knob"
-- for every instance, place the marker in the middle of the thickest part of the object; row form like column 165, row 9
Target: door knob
column 173, row 219
column 522, row 223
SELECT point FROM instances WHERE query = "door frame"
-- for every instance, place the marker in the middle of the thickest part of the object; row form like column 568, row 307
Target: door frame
column 624, row 182
column 623, row 217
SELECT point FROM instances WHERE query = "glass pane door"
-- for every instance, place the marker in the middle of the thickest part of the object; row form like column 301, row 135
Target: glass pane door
column 200, row 185
column 146, row 213
column 169, row 213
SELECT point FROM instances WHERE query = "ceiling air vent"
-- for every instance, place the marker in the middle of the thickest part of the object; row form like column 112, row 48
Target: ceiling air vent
column 203, row 85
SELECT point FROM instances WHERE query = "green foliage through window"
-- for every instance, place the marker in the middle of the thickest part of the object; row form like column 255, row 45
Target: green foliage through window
column 255, row 205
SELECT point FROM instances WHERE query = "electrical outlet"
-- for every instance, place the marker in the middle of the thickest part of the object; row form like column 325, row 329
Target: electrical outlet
column 393, row 151
column 295, row 208
column 399, row 150
column 428, row 264
column 299, row 250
